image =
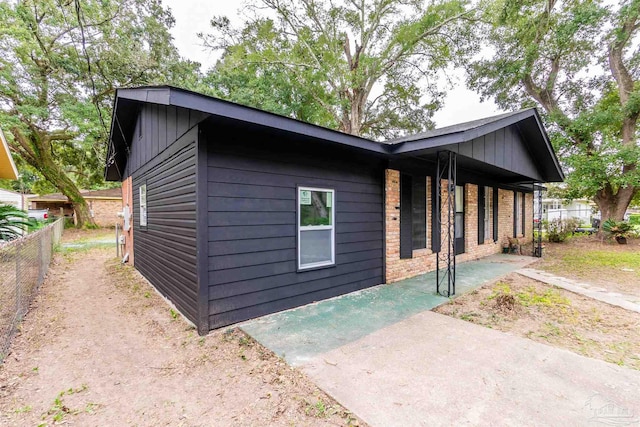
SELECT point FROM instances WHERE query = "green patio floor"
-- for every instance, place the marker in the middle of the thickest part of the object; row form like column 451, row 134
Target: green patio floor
column 304, row 332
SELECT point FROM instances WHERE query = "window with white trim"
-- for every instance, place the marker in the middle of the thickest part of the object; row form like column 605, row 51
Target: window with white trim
column 143, row 205
column 316, row 227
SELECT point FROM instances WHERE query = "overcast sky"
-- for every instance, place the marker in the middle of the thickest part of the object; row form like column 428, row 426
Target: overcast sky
column 193, row 16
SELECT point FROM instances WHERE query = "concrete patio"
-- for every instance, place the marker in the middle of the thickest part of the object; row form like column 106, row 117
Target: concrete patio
column 301, row 333
column 386, row 357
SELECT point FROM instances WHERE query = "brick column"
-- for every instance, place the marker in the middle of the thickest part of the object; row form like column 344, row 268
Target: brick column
column 392, row 221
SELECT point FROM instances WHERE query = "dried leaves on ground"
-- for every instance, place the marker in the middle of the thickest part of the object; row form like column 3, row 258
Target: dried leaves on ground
column 101, row 347
column 543, row 313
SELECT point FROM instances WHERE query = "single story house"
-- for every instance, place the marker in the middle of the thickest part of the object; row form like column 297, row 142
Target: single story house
column 581, row 209
column 104, row 205
column 19, row 200
column 7, row 166
column 237, row 212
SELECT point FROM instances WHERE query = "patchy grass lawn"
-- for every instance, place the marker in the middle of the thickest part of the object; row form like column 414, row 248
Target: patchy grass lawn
column 531, row 309
column 600, row 262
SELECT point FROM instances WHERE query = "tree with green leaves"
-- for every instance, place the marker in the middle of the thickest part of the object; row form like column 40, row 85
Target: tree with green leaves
column 363, row 67
column 60, row 65
column 578, row 60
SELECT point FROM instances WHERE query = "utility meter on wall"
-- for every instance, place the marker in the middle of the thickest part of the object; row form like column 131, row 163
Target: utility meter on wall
column 126, row 214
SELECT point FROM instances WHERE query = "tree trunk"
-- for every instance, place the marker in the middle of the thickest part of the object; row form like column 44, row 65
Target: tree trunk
column 613, row 205
column 36, row 151
column 55, row 175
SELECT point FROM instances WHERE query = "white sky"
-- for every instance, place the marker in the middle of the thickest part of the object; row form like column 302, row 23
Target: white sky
column 193, row 16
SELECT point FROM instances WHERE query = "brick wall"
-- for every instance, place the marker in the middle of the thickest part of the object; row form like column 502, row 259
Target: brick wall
column 127, row 200
column 396, row 268
column 105, row 211
column 424, row 260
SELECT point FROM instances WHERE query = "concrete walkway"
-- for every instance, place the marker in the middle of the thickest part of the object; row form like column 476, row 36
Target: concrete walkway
column 382, row 354
column 430, row 370
column 299, row 334
column 629, row 302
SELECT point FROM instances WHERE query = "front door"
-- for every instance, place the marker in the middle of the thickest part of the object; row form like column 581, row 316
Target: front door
column 459, row 219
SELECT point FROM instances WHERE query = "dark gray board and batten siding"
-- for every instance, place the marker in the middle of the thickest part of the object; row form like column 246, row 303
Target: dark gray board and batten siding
column 163, row 156
column 504, row 148
column 252, row 225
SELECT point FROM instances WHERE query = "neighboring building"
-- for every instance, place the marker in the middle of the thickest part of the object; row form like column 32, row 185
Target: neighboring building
column 237, row 212
column 19, row 200
column 7, row 166
column 104, row 205
column 581, row 209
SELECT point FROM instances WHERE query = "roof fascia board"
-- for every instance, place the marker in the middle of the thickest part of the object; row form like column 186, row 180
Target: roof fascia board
column 263, row 118
column 459, row 137
column 547, row 142
column 217, row 107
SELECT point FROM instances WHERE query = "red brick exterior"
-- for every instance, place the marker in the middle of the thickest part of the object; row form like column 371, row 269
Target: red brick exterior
column 127, row 200
column 105, row 211
column 424, row 260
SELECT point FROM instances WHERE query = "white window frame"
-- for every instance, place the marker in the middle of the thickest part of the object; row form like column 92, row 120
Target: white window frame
column 142, row 194
column 331, row 227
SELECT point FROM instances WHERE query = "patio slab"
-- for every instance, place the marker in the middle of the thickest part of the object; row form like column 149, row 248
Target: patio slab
column 299, row 334
column 432, row 370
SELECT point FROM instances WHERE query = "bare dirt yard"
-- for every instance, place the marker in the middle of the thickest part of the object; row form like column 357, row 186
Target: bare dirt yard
column 101, row 347
column 543, row 313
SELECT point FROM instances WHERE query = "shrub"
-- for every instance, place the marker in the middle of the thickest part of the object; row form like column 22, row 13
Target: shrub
column 560, row 229
column 616, row 228
column 13, row 222
column 634, row 219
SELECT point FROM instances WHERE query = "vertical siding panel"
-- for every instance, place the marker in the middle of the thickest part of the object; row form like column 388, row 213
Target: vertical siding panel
column 465, row 149
column 162, row 128
column 182, row 121
column 490, row 148
column 171, row 124
column 508, row 148
column 155, row 127
column 500, row 149
column 147, row 137
column 478, row 148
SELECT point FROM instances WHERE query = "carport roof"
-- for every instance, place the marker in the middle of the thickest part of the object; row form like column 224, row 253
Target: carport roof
column 128, row 101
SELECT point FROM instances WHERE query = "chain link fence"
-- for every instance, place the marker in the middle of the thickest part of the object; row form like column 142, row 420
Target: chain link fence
column 24, row 264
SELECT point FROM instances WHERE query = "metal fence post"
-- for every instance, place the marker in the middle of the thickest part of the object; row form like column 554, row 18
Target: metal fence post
column 18, row 296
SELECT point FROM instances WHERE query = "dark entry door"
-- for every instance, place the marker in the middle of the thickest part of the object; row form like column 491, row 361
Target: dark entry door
column 459, row 219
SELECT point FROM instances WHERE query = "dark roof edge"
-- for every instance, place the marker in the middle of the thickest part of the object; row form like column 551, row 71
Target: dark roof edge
column 547, row 141
column 460, row 136
column 169, row 95
column 183, row 98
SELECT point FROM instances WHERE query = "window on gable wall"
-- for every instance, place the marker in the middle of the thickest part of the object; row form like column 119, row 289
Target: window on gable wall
column 316, row 227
